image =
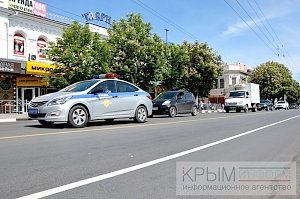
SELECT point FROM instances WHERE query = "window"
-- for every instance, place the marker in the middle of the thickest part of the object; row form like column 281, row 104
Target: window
column 108, row 86
column 19, row 44
column 125, row 87
column 233, row 81
column 189, row 96
column 221, row 83
column 41, row 47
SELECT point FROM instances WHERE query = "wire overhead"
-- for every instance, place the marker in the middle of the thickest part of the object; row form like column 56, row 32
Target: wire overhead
column 165, row 19
column 275, row 45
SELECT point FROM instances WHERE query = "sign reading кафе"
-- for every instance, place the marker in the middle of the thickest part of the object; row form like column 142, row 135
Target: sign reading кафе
column 9, row 67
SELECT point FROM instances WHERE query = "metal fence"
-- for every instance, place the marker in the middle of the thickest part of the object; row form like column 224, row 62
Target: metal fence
column 13, row 106
column 211, row 107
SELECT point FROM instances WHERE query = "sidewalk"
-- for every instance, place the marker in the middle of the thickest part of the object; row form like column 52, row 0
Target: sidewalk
column 13, row 117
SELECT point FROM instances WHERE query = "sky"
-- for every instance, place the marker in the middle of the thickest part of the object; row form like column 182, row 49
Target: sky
column 251, row 32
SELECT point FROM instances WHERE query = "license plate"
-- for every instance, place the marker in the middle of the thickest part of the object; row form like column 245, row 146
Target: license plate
column 155, row 108
column 33, row 111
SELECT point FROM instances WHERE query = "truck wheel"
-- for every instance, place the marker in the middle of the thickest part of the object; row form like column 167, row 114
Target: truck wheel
column 78, row 116
column 254, row 109
column 238, row 110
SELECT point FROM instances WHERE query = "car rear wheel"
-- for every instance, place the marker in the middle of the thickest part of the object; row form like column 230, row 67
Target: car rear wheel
column 172, row 111
column 141, row 114
column 194, row 111
column 78, row 116
column 45, row 123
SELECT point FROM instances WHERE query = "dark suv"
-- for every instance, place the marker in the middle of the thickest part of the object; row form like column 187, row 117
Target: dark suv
column 175, row 102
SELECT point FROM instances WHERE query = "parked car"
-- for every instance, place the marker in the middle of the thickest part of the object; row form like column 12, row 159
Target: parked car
column 175, row 102
column 282, row 105
column 294, row 106
column 102, row 98
column 265, row 105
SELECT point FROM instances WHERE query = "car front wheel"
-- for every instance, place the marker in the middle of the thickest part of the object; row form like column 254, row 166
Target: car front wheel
column 78, row 116
column 172, row 111
column 141, row 114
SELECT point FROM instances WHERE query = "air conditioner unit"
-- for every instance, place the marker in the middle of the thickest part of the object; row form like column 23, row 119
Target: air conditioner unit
column 32, row 57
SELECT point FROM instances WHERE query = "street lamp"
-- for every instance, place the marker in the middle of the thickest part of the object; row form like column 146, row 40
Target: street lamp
column 166, row 35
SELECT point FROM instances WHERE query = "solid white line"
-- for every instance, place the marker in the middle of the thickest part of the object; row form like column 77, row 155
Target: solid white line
column 141, row 166
column 8, row 120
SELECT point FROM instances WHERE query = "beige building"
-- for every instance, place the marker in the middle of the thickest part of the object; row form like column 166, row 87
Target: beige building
column 232, row 74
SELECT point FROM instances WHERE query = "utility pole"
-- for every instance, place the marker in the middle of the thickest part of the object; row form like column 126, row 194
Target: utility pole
column 166, row 35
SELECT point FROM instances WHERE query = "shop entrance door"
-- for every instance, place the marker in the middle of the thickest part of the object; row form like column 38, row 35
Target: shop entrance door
column 27, row 94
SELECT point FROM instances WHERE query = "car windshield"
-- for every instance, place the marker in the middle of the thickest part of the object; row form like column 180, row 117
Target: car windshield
column 166, row 95
column 80, row 86
column 237, row 94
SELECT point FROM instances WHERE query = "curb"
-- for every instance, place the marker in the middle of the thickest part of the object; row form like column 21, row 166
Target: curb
column 215, row 111
column 8, row 120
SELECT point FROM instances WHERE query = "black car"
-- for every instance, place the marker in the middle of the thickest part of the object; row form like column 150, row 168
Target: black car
column 294, row 106
column 266, row 105
column 175, row 102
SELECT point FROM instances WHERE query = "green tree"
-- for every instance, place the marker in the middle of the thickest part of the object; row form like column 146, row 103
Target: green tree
column 79, row 54
column 138, row 55
column 178, row 60
column 203, row 68
column 275, row 81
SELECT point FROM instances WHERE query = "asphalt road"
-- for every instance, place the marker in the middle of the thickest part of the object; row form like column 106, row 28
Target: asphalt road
column 34, row 159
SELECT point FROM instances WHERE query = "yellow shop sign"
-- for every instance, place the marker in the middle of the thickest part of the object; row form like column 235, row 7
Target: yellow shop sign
column 39, row 68
column 23, row 81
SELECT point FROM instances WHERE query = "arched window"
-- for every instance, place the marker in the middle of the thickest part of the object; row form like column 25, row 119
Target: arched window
column 19, row 44
column 42, row 46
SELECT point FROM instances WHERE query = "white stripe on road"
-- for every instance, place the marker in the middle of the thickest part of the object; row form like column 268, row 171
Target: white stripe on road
column 141, row 166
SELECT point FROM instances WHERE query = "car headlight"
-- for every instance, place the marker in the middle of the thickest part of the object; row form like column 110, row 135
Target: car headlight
column 166, row 103
column 59, row 101
column 241, row 102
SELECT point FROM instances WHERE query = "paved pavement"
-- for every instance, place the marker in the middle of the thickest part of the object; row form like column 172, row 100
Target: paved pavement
column 35, row 159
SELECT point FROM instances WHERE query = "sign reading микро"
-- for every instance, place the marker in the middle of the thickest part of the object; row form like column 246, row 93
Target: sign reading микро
column 10, row 67
column 29, row 6
column 90, row 16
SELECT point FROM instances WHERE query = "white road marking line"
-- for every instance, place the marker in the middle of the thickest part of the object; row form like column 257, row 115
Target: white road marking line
column 141, row 166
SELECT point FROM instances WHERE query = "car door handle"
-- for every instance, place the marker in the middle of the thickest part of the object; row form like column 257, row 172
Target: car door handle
column 115, row 96
column 135, row 95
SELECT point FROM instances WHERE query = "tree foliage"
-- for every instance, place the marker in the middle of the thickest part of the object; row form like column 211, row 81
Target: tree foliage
column 79, row 54
column 275, row 81
column 138, row 55
column 203, row 68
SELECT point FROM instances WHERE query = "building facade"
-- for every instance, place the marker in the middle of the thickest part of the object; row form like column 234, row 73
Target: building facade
column 26, row 29
column 232, row 74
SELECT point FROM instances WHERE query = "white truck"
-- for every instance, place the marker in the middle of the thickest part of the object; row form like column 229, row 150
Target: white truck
column 243, row 97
